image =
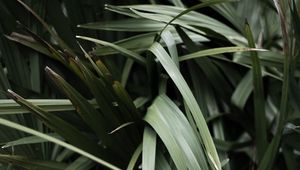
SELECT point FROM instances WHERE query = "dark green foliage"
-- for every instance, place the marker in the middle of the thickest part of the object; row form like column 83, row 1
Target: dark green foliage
column 153, row 84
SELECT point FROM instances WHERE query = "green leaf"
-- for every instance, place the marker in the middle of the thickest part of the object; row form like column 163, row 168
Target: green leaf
column 177, row 3
column 228, row 146
column 127, row 101
column 29, row 140
column 192, row 20
column 193, row 8
column 27, row 163
column 46, row 26
column 142, row 42
column 81, row 163
column 161, row 162
column 69, row 132
column 185, row 91
column 29, row 42
column 269, row 156
column 9, row 106
column 215, row 51
column 171, row 44
column 57, row 141
column 136, row 57
column 175, row 132
column 243, row 90
column 134, row 157
column 140, row 101
column 126, row 71
column 149, row 149
column 90, row 115
column 130, row 25
column 259, row 99
column 210, row 70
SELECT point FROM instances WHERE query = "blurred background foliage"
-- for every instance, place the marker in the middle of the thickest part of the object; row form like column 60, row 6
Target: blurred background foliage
column 134, row 93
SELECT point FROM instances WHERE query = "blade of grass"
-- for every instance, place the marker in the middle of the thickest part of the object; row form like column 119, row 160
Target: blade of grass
column 228, row 146
column 99, row 72
column 177, row 3
column 9, row 106
column 192, row 20
column 166, row 18
column 140, row 43
column 243, row 90
column 140, row 101
column 193, row 8
column 210, row 70
column 126, row 71
column 29, row 140
column 259, row 99
column 270, row 154
column 134, row 157
column 136, row 57
column 215, row 51
column 129, row 25
column 185, row 91
column 29, row 42
column 182, row 145
column 149, row 149
column 171, row 44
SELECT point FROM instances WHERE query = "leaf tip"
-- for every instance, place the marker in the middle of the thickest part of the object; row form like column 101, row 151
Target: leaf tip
column 12, row 94
column 78, row 36
column 50, row 72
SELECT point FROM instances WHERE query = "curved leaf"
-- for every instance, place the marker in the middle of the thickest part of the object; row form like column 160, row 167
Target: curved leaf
column 185, row 91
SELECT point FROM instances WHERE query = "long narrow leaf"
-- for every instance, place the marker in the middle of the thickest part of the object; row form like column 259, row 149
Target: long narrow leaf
column 8, row 106
column 29, row 140
column 182, row 86
column 31, row 163
column 149, row 149
column 134, row 157
column 138, row 58
column 215, row 51
column 57, row 141
column 269, row 156
column 51, row 31
column 182, row 145
column 69, row 132
column 193, row 8
column 259, row 100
